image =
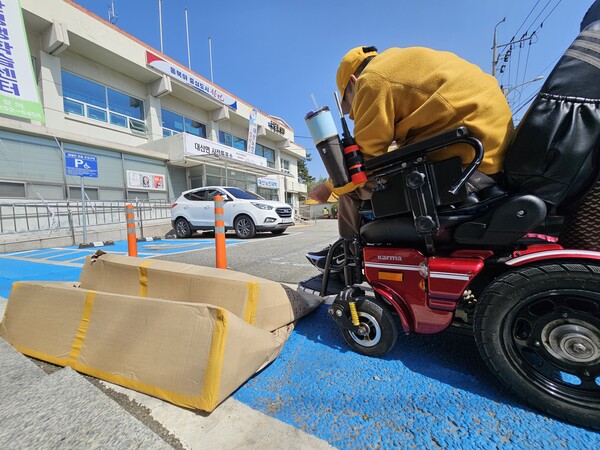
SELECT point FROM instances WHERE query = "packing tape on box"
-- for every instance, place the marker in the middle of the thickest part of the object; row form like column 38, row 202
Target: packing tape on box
column 82, row 329
column 251, row 302
column 251, row 288
column 37, row 293
column 143, row 271
column 257, row 301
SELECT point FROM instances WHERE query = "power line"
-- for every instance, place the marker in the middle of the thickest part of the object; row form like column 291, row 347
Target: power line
column 538, row 16
column 508, row 52
column 545, row 18
column 524, row 103
column 526, row 62
column 525, row 20
column 508, row 74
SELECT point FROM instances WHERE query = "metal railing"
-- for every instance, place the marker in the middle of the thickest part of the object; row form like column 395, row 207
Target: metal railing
column 26, row 217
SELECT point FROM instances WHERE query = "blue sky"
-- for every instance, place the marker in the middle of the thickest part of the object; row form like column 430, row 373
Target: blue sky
column 276, row 54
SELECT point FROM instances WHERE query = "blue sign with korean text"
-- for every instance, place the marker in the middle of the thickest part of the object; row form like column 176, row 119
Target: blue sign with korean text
column 79, row 165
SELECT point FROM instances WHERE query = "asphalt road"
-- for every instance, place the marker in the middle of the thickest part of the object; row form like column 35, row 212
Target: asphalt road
column 277, row 258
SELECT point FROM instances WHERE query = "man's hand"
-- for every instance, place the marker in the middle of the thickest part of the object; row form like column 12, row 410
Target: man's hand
column 320, row 193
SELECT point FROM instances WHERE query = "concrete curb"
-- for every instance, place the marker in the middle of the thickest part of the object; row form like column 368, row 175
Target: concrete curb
column 96, row 244
column 231, row 425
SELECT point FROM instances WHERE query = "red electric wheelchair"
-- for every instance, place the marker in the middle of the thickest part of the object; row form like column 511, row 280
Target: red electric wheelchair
column 515, row 264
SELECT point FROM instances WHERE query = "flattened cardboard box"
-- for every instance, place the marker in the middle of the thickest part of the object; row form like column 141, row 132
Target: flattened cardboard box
column 193, row 355
column 259, row 302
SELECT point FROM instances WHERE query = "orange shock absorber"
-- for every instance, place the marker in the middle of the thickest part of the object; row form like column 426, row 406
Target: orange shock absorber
column 353, row 313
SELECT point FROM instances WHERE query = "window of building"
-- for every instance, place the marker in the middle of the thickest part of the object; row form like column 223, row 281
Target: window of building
column 267, row 153
column 215, row 176
column 285, row 165
column 232, row 141
column 220, row 176
column 10, row 189
column 237, row 179
column 138, row 195
column 90, row 99
column 90, row 193
column 174, row 123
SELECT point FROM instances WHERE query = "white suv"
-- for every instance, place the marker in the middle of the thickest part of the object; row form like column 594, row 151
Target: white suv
column 245, row 212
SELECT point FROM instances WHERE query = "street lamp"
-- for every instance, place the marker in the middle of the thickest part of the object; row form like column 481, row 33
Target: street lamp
column 506, row 91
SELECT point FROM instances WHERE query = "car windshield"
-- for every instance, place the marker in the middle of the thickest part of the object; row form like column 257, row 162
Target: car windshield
column 242, row 194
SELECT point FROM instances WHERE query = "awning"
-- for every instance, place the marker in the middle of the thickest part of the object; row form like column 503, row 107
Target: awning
column 186, row 150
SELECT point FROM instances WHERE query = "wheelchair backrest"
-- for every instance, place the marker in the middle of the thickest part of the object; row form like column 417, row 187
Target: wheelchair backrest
column 555, row 154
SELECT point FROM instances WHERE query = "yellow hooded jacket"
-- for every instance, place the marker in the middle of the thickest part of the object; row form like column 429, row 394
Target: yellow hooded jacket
column 408, row 94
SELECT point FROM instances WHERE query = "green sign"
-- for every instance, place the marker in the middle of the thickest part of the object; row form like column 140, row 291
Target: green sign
column 19, row 94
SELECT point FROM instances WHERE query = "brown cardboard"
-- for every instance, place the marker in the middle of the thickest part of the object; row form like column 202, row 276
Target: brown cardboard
column 259, row 302
column 191, row 354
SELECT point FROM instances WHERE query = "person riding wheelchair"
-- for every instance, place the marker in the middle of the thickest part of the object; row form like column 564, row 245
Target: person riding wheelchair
column 515, row 263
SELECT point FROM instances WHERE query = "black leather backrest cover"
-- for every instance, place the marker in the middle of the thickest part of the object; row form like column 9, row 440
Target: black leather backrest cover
column 555, row 152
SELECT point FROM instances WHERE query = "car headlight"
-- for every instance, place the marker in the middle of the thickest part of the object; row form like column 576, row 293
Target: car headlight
column 262, row 206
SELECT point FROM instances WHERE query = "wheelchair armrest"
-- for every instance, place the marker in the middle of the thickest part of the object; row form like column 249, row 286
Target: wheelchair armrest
column 410, row 151
column 417, row 149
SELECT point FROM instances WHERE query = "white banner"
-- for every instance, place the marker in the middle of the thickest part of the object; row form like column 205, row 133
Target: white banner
column 252, row 131
column 196, row 146
column 189, row 79
column 145, row 180
column 18, row 88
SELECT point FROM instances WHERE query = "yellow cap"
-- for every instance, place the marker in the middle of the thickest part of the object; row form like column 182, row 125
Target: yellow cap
column 350, row 64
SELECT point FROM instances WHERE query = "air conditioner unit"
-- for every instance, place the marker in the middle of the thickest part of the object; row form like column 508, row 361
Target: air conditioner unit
column 55, row 39
column 161, row 87
column 220, row 114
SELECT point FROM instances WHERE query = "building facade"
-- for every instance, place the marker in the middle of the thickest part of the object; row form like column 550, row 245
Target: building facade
column 153, row 127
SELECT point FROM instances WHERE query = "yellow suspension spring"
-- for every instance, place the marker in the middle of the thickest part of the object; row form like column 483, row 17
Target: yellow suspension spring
column 353, row 313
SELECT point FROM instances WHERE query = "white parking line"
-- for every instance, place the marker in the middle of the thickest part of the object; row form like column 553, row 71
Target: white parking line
column 42, row 261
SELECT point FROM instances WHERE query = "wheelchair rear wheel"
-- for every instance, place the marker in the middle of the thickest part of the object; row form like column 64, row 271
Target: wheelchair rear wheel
column 538, row 329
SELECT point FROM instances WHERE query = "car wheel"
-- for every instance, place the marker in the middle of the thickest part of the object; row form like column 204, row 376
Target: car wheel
column 538, row 329
column 381, row 331
column 277, row 232
column 244, row 227
column 182, row 228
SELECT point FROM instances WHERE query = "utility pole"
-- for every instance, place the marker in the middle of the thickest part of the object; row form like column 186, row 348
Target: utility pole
column 511, row 43
column 494, row 49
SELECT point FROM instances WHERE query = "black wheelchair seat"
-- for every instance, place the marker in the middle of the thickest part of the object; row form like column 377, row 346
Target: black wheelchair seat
column 416, row 204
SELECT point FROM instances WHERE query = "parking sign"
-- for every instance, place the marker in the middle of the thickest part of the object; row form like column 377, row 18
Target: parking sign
column 79, row 165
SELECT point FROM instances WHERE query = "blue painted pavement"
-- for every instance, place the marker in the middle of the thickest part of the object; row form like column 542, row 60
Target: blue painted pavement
column 64, row 264
column 429, row 392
